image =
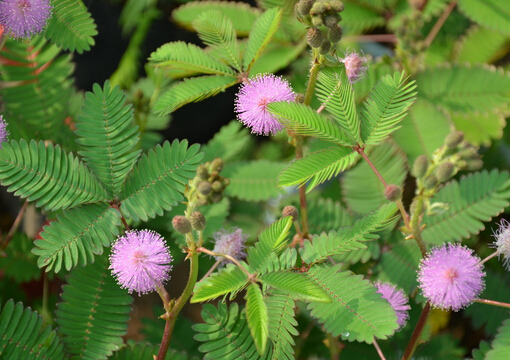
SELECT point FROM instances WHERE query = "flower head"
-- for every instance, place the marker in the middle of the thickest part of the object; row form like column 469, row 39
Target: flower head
column 3, row 131
column 354, row 66
column 397, row 299
column 140, row 261
column 451, row 277
column 252, row 100
column 230, row 243
column 502, row 243
column 24, row 18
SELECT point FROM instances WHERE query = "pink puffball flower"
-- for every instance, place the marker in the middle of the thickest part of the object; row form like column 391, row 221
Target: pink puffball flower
column 502, row 243
column 24, row 18
column 397, row 299
column 3, row 131
column 229, row 243
column 354, row 66
column 253, row 97
column 140, row 261
column 451, row 277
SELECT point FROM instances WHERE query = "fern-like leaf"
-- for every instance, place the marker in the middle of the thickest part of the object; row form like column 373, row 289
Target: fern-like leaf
column 282, row 325
column 231, row 143
column 217, row 31
column 385, row 107
column 71, row 26
column 158, row 181
column 361, row 18
column 41, row 172
column 22, row 335
column 357, row 313
column 303, row 120
column 324, row 215
column 476, row 199
column 480, row 128
column 94, row 313
column 226, row 335
column 76, row 236
column 480, row 45
column 107, row 134
column 192, row 90
column 256, row 314
column 297, row 285
column 260, row 35
column 230, row 279
column 501, row 344
column 493, row 14
column 335, row 92
column 317, row 167
column 348, row 238
column 189, row 57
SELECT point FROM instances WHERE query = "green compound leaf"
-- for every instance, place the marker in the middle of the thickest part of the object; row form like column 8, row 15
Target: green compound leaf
column 501, row 344
column 18, row 263
column 253, row 181
column 189, row 57
column 217, row 31
column 361, row 188
column 348, row 238
column 481, row 45
column 231, row 143
column 297, row 285
column 261, row 34
column 76, row 236
column 335, row 92
column 108, row 136
column 282, row 324
column 142, row 350
column 256, row 314
column 94, row 313
column 359, row 18
column 357, row 312
column 317, row 167
column 480, row 129
column 326, row 214
column 303, row 120
column 22, row 335
column 464, row 88
column 45, row 173
column 226, row 334
column 493, row 14
column 476, row 199
column 230, row 279
column 158, row 181
column 192, row 90
column 271, row 240
column 385, row 107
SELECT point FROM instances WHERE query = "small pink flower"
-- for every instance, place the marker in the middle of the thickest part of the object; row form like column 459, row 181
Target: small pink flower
column 502, row 243
column 3, row 131
column 253, row 97
column 229, row 243
column 397, row 299
column 24, row 18
column 354, row 66
column 140, row 261
column 451, row 277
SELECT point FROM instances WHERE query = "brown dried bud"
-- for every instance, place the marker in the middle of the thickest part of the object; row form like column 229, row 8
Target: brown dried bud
column 291, row 211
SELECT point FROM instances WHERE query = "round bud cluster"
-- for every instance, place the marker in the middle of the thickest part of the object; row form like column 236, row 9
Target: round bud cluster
column 323, row 14
column 208, row 185
column 463, row 155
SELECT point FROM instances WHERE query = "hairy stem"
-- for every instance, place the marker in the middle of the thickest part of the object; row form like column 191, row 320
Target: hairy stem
column 493, row 302
column 415, row 338
column 415, row 226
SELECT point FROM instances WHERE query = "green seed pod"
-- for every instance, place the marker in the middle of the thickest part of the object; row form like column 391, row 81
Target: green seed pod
column 445, row 171
column 453, row 139
column 393, row 192
column 317, row 21
column 317, row 9
column 291, row 211
column 314, row 37
column 304, row 6
column 337, row 6
column 420, row 166
column 325, row 47
column 197, row 220
column 330, row 21
column 204, row 188
column 430, row 182
column 335, row 34
column 181, row 224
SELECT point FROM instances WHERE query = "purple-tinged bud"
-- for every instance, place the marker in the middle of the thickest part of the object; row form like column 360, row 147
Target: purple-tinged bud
column 393, row 192
column 197, row 220
column 354, row 66
column 453, row 139
column 445, row 171
column 291, row 211
column 229, row 243
column 420, row 166
column 181, row 224
column 314, row 37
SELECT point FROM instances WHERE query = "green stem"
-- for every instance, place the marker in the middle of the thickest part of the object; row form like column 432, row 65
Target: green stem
column 415, row 225
column 15, row 225
column 171, row 316
column 415, row 338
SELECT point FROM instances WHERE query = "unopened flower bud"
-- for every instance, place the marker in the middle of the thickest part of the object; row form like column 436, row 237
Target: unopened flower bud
column 335, row 33
column 317, row 9
column 304, row 7
column 181, row 224
column 317, row 21
column 314, row 37
column 393, row 192
column 453, row 139
column 217, row 186
column 445, row 171
column 420, row 166
column 430, row 182
column 217, row 165
column 337, row 6
column 226, row 182
column 469, row 153
column 330, row 21
column 325, row 47
column 204, row 188
column 202, row 172
column 197, row 220
column 475, row 164
column 216, row 197
column 291, row 211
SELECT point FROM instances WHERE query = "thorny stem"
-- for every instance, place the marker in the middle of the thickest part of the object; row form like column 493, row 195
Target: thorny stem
column 415, row 338
column 226, row 256
column 379, row 351
column 492, row 302
column 439, row 23
column 15, row 224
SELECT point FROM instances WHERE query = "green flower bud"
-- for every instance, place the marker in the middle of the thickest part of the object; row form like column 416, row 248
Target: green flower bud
column 330, row 21
column 325, row 47
column 226, row 182
column 216, row 197
column 217, row 165
column 393, row 192
column 291, row 211
column 197, row 220
column 317, row 21
column 335, row 34
column 453, row 139
column 337, row 6
column 181, row 224
column 217, row 186
column 475, row 164
column 202, row 172
column 469, row 153
column 314, row 37
column 431, row 182
column 204, row 188
column 304, row 6
column 445, row 171
column 420, row 166
column 317, row 9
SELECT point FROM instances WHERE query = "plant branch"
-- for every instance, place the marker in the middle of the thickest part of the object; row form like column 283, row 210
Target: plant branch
column 15, row 224
column 415, row 338
column 379, row 351
column 439, row 23
column 493, row 302
column 226, row 256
